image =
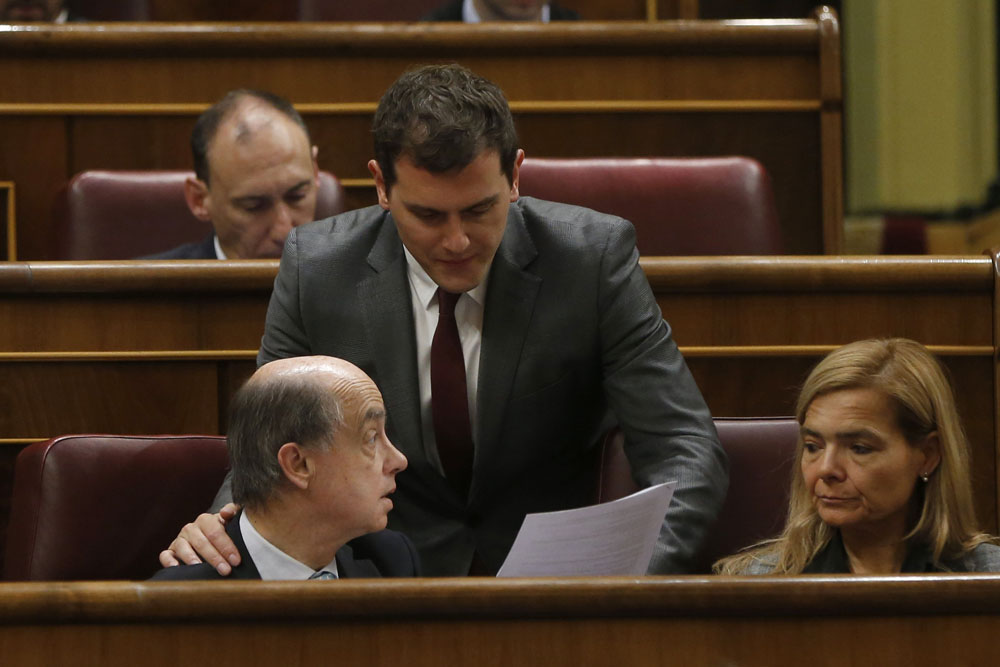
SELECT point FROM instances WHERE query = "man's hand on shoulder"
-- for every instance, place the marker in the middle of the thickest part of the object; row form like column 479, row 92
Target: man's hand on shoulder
column 207, row 538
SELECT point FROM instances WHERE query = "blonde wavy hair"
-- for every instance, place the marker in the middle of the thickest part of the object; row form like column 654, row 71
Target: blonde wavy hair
column 916, row 384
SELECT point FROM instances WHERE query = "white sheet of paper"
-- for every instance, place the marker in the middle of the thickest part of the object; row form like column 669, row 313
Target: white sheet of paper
column 608, row 539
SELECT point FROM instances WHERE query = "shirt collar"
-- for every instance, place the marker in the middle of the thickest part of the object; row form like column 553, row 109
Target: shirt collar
column 470, row 15
column 272, row 562
column 426, row 288
column 218, row 249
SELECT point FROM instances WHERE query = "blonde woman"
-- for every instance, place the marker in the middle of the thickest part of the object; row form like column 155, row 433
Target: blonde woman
column 883, row 473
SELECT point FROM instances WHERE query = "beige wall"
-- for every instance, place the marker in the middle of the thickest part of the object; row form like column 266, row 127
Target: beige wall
column 920, row 89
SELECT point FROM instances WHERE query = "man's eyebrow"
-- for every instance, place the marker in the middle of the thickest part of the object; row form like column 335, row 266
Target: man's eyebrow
column 373, row 414
column 418, row 209
column 299, row 185
column 251, row 199
column 482, row 202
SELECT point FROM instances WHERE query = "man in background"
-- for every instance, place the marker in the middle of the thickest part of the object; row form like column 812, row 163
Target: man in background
column 256, row 177
column 313, row 469
column 51, row 11
column 476, row 11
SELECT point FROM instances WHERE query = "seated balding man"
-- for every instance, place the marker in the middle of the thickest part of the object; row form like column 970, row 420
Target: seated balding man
column 313, row 469
column 256, row 177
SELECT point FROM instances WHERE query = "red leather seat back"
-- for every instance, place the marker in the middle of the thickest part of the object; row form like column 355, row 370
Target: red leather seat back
column 679, row 206
column 761, row 463
column 761, row 455
column 128, row 214
column 89, row 507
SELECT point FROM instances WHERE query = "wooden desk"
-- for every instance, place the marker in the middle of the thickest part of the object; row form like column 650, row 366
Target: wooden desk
column 821, row 621
column 8, row 222
column 125, row 96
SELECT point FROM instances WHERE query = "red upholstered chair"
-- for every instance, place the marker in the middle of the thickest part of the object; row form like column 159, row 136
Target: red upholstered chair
column 761, row 456
column 128, row 214
column 88, row 507
column 679, row 206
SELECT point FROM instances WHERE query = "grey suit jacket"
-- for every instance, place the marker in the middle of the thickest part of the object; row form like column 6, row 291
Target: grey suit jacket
column 572, row 338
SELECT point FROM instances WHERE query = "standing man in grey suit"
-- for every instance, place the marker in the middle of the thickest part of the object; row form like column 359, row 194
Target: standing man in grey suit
column 547, row 310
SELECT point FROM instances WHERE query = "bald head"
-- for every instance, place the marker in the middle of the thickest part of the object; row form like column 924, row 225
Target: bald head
column 304, row 400
column 341, row 375
column 229, row 109
column 256, row 173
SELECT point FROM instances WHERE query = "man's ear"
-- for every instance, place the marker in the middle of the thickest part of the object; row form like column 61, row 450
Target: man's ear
column 383, row 195
column 515, row 176
column 196, row 194
column 295, row 464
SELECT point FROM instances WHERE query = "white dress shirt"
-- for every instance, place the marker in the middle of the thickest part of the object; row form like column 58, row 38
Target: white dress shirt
column 218, row 249
column 469, row 317
column 272, row 562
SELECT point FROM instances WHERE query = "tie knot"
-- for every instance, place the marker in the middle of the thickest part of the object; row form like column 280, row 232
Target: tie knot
column 446, row 303
column 323, row 574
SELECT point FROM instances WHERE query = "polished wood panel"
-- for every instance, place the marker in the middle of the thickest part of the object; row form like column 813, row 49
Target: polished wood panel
column 926, row 620
column 8, row 221
column 124, row 96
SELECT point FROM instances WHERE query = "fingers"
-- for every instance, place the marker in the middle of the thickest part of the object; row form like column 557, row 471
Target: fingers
column 183, row 551
column 167, row 558
column 228, row 511
column 207, row 538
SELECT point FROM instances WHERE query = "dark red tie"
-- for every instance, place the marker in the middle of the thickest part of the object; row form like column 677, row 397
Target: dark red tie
column 449, row 397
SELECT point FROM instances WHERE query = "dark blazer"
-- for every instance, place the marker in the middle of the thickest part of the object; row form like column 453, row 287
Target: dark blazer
column 204, row 249
column 571, row 334
column 385, row 553
column 453, row 12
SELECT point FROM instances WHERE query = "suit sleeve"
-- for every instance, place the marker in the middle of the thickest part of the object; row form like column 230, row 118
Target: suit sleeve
column 669, row 433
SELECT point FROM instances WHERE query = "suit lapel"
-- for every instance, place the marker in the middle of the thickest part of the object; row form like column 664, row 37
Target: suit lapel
column 510, row 301
column 348, row 568
column 247, row 569
column 388, row 320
